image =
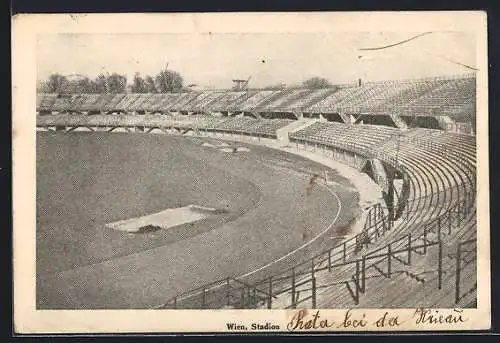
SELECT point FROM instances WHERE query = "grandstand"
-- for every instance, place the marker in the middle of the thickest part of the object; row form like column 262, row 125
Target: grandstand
column 415, row 138
column 437, row 103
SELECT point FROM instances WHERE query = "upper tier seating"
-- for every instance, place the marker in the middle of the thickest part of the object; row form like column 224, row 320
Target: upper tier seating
column 427, row 97
column 225, row 101
column 254, row 100
column 202, row 102
column 447, row 99
column 307, row 100
column 453, row 97
column 282, row 103
column 360, row 138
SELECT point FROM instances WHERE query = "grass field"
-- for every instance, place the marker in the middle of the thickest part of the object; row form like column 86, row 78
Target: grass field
column 86, row 180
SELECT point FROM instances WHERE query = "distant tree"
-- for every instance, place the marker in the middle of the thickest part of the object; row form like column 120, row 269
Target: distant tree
column 41, row 86
column 138, row 84
column 100, row 84
column 116, row 83
column 149, row 85
column 168, row 81
column 83, row 85
column 316, row 82
column 75, row 84
column 54, row 84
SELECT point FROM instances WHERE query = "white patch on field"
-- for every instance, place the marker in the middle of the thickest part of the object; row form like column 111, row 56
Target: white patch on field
column 165, row 219
column 239, row 149
column 208, row 145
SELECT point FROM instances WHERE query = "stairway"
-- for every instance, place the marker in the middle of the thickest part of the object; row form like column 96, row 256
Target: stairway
column 282, row 133
column 446, row 123
column 345, row 117
column 400, row 123
column 379, row 174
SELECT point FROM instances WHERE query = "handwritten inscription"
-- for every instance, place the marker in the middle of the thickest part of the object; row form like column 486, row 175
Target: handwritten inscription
column 387, row 320
column 428, row 316
column 353, row 322
column 307, row 320
column 358, row 320
column 302, row 321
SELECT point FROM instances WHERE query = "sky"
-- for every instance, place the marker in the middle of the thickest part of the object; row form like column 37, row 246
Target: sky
column 212, row 60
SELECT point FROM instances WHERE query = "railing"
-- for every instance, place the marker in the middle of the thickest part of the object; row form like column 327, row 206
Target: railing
column 378, row 225
column 301, row 278
column 247, row 293
column 399, row 251
column 465, row 256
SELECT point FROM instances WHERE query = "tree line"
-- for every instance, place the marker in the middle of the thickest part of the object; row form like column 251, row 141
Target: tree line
column 166, row 81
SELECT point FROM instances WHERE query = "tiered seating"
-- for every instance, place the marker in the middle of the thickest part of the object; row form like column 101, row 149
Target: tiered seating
column 282, row 103
column 180, row 103
column 152, row 103
column 200, row 103
column 207, row 103
column 112, row 104
column 252, row 102
column 328, row 104
column 276, row 96
column 371, row 96
column 88, row 102
column 138, row 104
column 101, row 101
column 438, row 96
column 310, row 99
column 357, row 137
column 454, row 97
column 125, row 103
column 237, row 104
column 400, row 94
column 266, row 128
column 224, row 102
column 166, row 101
column 235, row 124
column 355, row 95
column 447, row 99
column 209, row 122
column 441, row 168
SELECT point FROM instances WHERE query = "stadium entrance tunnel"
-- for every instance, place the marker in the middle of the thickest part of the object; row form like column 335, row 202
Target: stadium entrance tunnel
column 427, row 122
column 335, row 117
column 278, row 115
column 381, row 119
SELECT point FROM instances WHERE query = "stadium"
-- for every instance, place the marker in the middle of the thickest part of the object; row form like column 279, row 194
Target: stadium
column 359, row 195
